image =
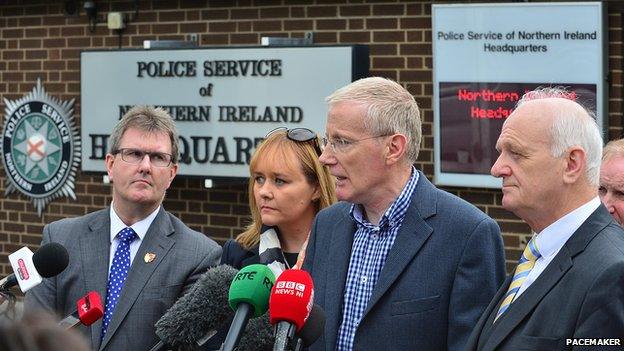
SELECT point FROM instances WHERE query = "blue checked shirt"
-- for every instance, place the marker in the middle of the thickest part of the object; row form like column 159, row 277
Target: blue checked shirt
column 371, row 245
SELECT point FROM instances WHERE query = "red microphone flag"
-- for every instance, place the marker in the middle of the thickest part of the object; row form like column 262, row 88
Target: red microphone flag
column 292, row 298
column 90, row 308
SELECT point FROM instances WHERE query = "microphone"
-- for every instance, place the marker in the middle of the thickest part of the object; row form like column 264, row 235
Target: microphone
column 290, row 305
column 312, row 329
column 258, row 335
column 249, row 295
column 48, row 261
column 88, row 310
column 195, row 317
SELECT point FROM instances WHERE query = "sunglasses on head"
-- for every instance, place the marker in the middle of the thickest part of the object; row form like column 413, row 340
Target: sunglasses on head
column 301, row 135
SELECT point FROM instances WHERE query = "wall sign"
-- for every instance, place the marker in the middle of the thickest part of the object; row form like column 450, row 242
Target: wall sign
column 40, row 147
column 486, row 56
column 224, row 100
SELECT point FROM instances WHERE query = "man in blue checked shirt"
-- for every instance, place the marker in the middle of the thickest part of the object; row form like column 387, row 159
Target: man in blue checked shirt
column 399, row 264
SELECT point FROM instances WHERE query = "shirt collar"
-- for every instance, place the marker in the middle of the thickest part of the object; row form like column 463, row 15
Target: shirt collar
column 140, row 227
column 550, row 240
column 396, row 212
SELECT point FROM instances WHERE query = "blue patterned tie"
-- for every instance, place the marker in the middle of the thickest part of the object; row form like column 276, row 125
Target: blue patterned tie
column 118, row 273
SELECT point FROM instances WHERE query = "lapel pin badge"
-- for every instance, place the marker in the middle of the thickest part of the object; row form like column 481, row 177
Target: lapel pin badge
column 149, row 257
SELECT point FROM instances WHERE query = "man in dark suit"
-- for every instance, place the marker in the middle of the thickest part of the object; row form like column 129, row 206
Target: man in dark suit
column 136, row 255
column 569, row 282
column 401, row 265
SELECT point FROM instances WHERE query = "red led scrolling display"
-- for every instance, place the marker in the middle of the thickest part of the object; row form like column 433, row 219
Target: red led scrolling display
column 472, row 115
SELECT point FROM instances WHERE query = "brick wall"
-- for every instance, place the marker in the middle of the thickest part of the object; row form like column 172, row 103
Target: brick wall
column 38, row 40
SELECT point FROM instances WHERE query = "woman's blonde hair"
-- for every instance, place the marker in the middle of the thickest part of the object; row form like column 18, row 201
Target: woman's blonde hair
column 276, row 147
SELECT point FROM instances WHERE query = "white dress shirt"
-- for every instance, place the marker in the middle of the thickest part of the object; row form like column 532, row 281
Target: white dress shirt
column 140, row 228
column 550, row 240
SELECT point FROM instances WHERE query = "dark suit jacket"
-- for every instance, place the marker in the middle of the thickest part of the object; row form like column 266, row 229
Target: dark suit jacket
column 236, row 256
column 182, row 255
column 444, row 267
column 580, row 294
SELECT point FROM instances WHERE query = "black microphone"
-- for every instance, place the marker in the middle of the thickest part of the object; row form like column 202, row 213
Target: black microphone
column 195, row 316
column 312, row 329
column 49, row 260
column 258, row 335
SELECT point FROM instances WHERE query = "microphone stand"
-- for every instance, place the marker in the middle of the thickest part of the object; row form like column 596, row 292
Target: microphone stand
column 9, row 310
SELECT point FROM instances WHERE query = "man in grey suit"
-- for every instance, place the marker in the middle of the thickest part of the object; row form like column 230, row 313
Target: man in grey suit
column 402, row 265
column 569, row 282
column 136, row 255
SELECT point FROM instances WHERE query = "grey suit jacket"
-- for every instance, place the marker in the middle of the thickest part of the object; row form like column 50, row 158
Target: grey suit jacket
column 182, row 255
column 444, row 267
column 580, row 294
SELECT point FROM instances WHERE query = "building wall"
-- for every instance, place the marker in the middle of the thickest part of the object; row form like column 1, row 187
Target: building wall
column 37, row 39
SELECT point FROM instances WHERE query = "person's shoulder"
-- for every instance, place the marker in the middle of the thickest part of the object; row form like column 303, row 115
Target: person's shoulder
column 453, row 205
column 78, row 221
column 609, row 243
column 231, row 245
column 234, row 253
column 337, row 210
column 601, row 258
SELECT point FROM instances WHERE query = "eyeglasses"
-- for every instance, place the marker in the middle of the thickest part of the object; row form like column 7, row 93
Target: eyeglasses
column 135, row 156
column 302, row 135
column 339, row 145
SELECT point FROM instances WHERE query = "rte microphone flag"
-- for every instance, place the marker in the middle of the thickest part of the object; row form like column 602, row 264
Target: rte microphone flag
column 248, row 296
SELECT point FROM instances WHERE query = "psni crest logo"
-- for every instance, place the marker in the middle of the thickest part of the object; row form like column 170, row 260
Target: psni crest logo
column 40, row 147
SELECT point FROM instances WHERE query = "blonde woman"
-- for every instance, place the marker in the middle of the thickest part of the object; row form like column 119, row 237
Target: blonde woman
column 287, row 187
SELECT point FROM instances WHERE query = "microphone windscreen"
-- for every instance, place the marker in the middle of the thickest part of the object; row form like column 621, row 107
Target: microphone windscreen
column 313, row 327
column 258, row 335
column 50, row 260
column 204, row 308
column 292, row 298
column 252, row 285
column 90, row 308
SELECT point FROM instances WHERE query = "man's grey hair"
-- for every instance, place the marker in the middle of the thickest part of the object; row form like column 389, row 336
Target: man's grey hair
column 614, row 148
column 572, row 126
column 391, row 109
column 147, row 119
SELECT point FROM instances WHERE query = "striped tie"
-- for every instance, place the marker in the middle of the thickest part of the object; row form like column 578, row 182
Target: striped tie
column 525, row 264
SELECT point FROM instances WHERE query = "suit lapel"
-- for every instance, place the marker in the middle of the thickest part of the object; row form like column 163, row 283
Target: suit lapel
column 484, row 325
column 555, row 270
column 156, row 241
column 94, row 252
column 410, row 238
column 336, row 271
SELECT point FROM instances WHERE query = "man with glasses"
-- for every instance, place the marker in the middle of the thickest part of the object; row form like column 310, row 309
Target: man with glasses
column 136, row 255
column 400, row 264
